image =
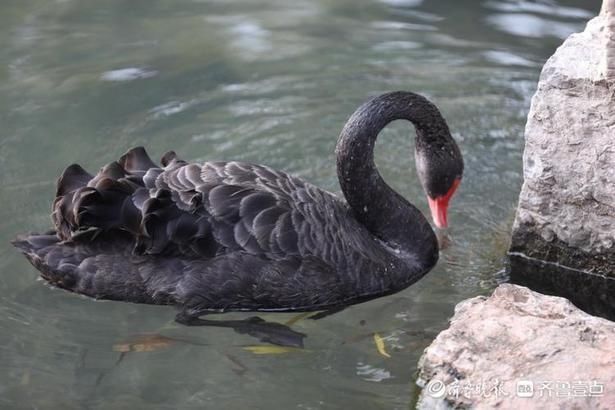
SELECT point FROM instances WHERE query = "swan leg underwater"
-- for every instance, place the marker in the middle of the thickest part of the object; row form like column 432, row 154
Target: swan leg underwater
column 234, row 236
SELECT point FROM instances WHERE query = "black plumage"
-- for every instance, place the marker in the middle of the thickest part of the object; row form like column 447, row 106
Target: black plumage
column 224, row 236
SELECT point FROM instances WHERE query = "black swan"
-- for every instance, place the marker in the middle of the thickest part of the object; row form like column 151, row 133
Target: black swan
column 233, row 236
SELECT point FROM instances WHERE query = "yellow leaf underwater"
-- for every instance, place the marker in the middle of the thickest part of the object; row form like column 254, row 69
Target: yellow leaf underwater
column 297, row 318
column 271, row 349
column 380, row 345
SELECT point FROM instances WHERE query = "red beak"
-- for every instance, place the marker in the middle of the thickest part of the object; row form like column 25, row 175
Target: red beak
column 439, row 206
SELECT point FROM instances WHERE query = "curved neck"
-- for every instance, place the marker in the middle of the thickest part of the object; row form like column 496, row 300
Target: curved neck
column 376, row 205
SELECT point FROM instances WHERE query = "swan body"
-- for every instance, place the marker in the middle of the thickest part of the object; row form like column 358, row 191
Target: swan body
column 235, row 236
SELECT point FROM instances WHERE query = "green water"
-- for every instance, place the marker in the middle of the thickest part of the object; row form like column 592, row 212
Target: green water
column 269, row 82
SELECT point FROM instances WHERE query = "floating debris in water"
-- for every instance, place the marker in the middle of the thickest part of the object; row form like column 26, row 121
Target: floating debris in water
column 271, row 349
column 144, row 343
column 297, row 318
column 380, row 345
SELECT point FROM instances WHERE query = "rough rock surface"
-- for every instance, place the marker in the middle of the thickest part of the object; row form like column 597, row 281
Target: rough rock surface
column 608, row 11
column 497, row 347
column 566, row 210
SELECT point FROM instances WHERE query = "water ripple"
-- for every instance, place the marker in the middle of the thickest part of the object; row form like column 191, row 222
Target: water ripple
column 127, row 74
column 372, row 374
column 529, row 25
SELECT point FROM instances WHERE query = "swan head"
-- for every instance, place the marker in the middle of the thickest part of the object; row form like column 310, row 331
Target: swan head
column 440, row 169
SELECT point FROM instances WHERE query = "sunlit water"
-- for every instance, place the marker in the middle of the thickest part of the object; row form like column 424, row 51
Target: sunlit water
column 269, row 82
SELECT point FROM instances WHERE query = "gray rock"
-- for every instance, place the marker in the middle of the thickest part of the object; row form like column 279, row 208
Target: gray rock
column 608, row 10
column 518, row 342
column 566, row 210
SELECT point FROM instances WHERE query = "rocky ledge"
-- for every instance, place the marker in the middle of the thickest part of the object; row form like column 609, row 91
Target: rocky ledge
column 519, row 349
column 568, row 195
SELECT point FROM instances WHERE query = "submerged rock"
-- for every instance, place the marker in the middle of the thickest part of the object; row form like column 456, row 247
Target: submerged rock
column 566, row 213
column 519, row 349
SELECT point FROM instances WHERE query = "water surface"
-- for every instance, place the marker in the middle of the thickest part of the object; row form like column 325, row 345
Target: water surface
column 269, row 82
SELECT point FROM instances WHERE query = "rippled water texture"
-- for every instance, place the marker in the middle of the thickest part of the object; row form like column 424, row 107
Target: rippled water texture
column 269, row 82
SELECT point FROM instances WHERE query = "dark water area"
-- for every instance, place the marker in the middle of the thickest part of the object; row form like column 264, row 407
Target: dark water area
column 270, row 82
column 592, row 292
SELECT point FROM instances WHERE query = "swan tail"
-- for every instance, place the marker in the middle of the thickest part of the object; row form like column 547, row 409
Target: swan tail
column 130, row 195
column 108, row 200
column 98, row 270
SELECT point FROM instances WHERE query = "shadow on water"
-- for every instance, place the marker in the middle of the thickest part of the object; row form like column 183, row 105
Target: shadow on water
column 266, row 332
column 593, row 293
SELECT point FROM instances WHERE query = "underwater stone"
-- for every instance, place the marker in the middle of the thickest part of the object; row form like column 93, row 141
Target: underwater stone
column 566, row 212
column 517, row 339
